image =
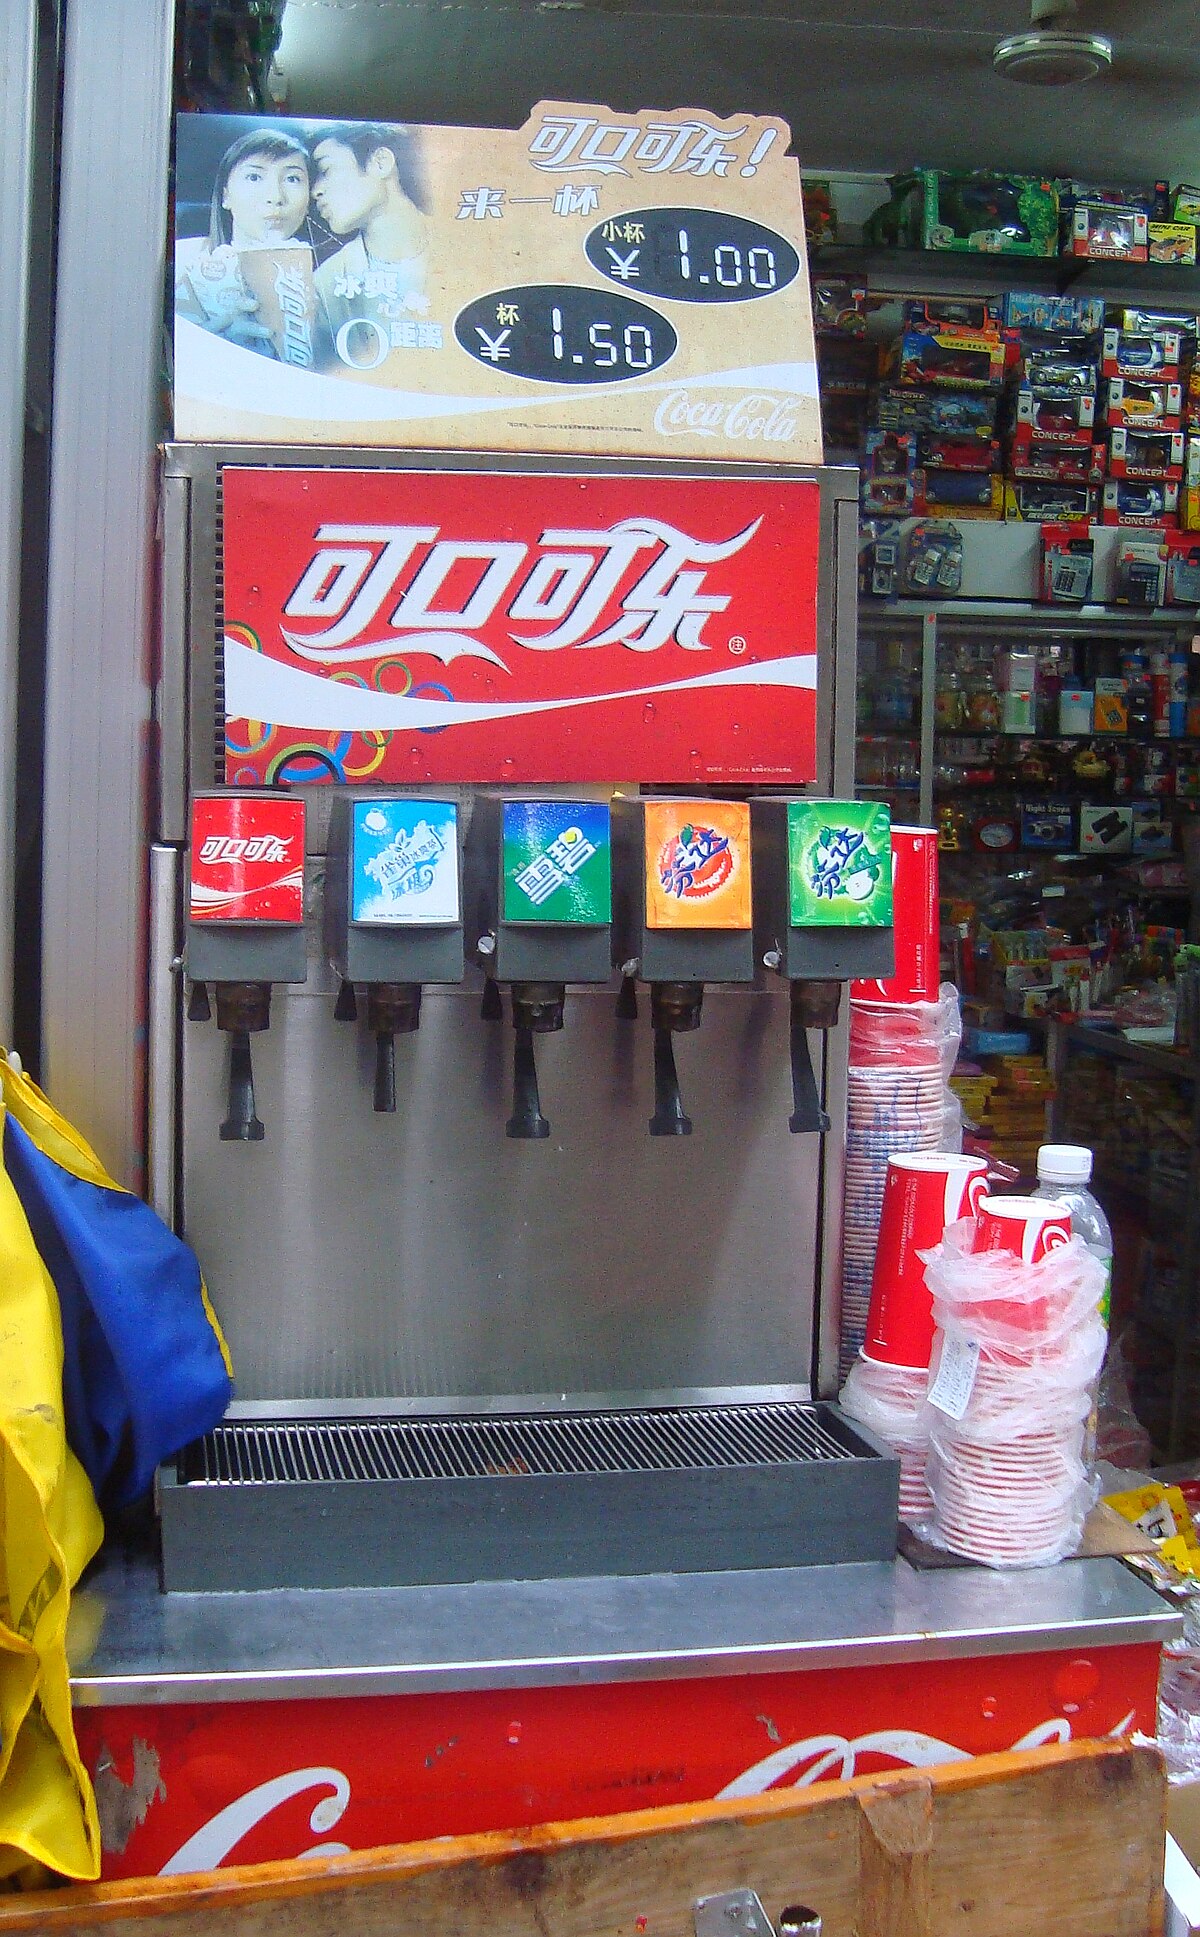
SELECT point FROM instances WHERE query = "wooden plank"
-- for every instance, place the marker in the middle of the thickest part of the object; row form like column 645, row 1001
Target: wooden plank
column 1067, row 1840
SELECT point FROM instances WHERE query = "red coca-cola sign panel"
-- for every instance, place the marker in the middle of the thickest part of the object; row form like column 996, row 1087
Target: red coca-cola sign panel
column 247, row 859
column 198, row 1786
column 518, row 627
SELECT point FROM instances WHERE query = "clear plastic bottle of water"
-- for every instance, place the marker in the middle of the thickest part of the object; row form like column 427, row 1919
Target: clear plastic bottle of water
column 1064, row 1170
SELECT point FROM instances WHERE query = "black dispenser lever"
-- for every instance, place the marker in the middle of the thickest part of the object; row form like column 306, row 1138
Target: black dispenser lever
column 243, row 1009
column 537, row 1010
column 674, row 1009
column 814, row 1005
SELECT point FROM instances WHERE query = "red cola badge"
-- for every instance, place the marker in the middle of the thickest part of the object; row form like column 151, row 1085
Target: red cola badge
column 247, row 859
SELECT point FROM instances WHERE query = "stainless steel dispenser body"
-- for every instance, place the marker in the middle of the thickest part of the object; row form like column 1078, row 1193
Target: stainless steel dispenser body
column 421, row 1262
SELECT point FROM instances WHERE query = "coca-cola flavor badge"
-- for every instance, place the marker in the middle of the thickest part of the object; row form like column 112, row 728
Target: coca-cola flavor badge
column 247, row 859
column 406, row 626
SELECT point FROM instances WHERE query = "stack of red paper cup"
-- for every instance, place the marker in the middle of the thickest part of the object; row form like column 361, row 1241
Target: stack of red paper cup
column 1019, row 1347
column 896, row 1094
column 923, row 1192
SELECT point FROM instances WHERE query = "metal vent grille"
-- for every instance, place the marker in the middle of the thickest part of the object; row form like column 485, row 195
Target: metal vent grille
column 512, row 1446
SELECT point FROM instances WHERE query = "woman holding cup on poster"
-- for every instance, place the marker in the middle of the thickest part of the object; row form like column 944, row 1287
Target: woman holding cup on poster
column 250, row 279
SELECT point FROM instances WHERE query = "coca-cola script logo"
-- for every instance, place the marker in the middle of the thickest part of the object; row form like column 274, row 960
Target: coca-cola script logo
column 758, row 417
column 568, row 590
column 247, row 859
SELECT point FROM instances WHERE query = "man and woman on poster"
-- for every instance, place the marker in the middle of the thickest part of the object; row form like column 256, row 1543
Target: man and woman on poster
column 316, row 251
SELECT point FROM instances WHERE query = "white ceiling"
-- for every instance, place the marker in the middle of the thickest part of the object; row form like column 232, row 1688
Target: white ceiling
column 864, row 87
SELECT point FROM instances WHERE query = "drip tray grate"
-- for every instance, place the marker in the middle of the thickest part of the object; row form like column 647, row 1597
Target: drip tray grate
column 511, row 1446
column 383, row 1501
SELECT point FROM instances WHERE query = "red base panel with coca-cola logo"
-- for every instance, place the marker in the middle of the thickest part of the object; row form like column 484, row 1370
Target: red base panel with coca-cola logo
column 191, row 1787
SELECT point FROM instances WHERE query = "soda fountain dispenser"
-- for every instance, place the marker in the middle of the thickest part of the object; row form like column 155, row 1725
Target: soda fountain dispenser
column 245, row 927
column 393, row 914
column 823, row 916
column 540, row 904
column 682, row 918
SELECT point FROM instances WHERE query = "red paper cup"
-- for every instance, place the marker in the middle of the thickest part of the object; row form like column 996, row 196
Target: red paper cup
column 923, row 1191
column 1028, row 1227
column 915, row 913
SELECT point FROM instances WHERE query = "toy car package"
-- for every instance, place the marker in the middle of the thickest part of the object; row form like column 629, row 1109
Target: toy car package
column 1128, row 501
column 1061, row 369
column 1101, row 232
column 1031, row 462
column 1068, row 561
column 1156, row 354
column 959, row 453
column 951, row 359
column 969, row 494
column 939, row 413
column 1144, row 401
column 1149, row 201
column 933, row 560
column 1055, row 420
column 1013, row 215
column 974, row 317
column 1144, row 453
column 1060, row 503
column 1172, row 242
column 1076, row 315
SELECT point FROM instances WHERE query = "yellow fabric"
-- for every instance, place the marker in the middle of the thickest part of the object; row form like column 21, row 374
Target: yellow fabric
column 50, row 1527
column 37, row 1116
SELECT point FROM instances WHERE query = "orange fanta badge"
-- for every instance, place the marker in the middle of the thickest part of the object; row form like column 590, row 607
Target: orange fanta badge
column 697, row 864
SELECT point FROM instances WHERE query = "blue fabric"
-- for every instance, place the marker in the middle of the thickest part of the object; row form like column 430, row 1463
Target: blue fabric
column 143, row 1372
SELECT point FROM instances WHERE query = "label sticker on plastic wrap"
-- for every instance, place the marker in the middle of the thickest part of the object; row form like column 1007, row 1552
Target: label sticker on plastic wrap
column 952, row 1388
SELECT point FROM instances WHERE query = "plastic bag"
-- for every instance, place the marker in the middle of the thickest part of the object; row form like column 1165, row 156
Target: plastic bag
column 890, row 1401
column 1017, row 1349
column 51, row 1528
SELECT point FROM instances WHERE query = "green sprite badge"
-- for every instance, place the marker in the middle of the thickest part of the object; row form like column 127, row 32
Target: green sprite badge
column 840, row 864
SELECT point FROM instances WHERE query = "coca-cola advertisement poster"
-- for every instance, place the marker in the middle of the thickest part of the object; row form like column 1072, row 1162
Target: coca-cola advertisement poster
column 517, row 627
column 593, row 283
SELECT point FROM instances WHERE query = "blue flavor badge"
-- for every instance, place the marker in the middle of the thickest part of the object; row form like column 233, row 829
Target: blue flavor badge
column 404, row 864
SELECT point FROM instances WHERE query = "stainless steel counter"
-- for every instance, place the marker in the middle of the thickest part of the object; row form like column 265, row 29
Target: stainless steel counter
column 130, row 1644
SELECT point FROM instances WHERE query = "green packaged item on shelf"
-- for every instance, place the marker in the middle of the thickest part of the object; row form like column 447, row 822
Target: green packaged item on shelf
column 998, row 214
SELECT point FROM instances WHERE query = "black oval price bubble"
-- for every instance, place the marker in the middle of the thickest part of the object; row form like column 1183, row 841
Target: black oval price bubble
column 692, row 255
column 557, row 333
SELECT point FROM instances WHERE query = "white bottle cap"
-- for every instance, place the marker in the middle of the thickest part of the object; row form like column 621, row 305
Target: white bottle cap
column 1064, row 1163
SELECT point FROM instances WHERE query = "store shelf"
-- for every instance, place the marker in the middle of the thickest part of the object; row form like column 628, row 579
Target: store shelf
column 1003, row 613
column 926, row 272
column 1114, row 1047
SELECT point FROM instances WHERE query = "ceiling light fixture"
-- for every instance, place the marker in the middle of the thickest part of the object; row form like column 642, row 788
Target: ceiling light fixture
column 1052, row 52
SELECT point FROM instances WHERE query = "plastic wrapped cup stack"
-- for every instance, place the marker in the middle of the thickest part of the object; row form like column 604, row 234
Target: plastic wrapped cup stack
column 1017, row 1349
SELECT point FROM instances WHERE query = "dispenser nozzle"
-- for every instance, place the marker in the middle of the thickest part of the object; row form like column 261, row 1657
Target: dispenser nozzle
column 243, row 1010
column 393, row 1009
column 674, row 1009
column 526, row 1120
column 815, row 1005
column 345, row 1009
column 491, row 1009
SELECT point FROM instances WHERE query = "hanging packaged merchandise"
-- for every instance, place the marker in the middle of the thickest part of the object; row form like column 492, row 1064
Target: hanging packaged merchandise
column 1068, row 559
column 1156, row 354
column 145, row 1367
column 1145, row 403
column 933, row 560
column 878, row 558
